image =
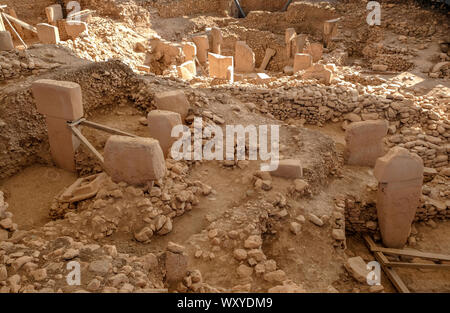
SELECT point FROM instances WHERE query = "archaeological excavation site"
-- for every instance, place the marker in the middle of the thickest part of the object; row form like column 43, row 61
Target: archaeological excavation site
column 224, row 147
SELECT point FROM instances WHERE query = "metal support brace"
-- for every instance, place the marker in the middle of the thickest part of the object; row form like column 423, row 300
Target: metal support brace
column 238, row 5
column 286, row 6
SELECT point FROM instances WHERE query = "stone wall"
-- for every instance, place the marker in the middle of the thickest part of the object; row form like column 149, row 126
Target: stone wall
column 175, row 8
column 361, row 215
column 318, row 104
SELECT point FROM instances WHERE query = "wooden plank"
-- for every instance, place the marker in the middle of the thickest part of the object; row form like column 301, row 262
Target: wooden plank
column 86, row 142
column 15, row 32
column 157, row 290
column 417, row 254
column 18, row 28
column 21, row 23
column 419, row 265
column 106, row 128
column 2, row 25
column 200, row 65
column 391, row 274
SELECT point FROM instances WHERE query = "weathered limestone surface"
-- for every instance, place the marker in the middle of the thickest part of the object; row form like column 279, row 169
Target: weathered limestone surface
column 289, row 37
column 135, row 161
column 319, row 72
column 217, row 40
column 75, row 28
column 364, row 142
column 400, row 177
column 189, row 50
column 219, row 66
column 6, row 42
column 174, row 101
column 302, row 61
column 54, row 13
column 245, row 58
column 187, row 70
column 202, row 44
column 160, row 125
column 47, row 34
column 289, row 168
column 60, row 102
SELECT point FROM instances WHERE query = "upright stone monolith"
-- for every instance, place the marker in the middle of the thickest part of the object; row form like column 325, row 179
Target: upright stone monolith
column 60, row 102
column 217, row 40
column 400, row 177
column 364, row 141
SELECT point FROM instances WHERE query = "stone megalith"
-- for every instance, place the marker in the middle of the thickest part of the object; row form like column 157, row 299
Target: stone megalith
column 189, row 50
column 135, row 161
column 6, row 42
column 244, row 58
column 400, row 178
column 302, row 61
column 217, row 40
column 364, row 142
column 219, row 66
column 160, row 125
column 202, row 43
column 289, row 37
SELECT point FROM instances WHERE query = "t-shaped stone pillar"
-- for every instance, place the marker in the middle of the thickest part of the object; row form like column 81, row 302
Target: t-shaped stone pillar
column 60, row 102
column 400, row 177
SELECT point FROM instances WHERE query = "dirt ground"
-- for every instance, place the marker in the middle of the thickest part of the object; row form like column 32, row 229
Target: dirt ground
column 225, row 226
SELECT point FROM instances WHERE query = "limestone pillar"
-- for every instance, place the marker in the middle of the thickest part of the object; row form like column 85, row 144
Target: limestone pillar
column 60, row 102
column 244, row 58
column 134, row 160
column 364, row 141
column 219, row 66
column 217, row 40
column 302, row 61
column 189, row 50
column 6, row 42
column 289, row 37
column 174, row 101
column 400, row 177
column 160, row 125
column 202, row 44
column 48, row 34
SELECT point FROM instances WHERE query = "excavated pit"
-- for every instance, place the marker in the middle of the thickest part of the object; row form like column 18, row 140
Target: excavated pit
column 240, row 230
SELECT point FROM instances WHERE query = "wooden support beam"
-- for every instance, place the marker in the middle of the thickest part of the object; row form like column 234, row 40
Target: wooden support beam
column 200, row 65
column 86, row 142
column 15, row 32
column 18, row 28
column 2, row 25
column 105, row 128
column 419, row 265
column 391, row 274
column 21, row 23
column 411, row 253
